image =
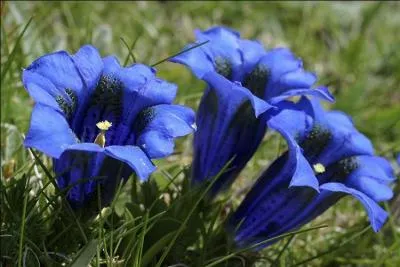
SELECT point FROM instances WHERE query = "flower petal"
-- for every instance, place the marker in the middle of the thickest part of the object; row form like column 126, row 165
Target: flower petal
column 291, row 123
column 41, row 89
column 376, row 214
column 164, row 123
column 60, row 70
column 251, row 52
column 134, row 157
column 371, row 178
column 89, row 64
column 49, row 132
column 195, row 59
column 222, row 45
column 235, row 93
column 345, row 142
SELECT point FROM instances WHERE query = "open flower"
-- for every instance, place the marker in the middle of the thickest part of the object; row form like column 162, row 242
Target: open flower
column 99, row 121
column 326, row 160
column 245, row 83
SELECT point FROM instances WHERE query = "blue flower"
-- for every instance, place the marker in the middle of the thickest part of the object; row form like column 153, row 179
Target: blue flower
column 327, row 159
column 98, row 120
column 245, row 83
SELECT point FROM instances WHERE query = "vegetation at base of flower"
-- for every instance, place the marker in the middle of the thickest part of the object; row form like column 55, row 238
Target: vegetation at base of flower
column 163, row 218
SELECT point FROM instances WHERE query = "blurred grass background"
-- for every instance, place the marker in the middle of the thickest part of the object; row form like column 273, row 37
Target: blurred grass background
column 353, row 47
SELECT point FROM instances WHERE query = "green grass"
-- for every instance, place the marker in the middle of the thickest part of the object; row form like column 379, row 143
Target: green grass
column 353, row 47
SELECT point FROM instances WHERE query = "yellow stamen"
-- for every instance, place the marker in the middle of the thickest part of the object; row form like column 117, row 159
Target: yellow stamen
column 104, row 125
column 319, row 168
column 101, row 137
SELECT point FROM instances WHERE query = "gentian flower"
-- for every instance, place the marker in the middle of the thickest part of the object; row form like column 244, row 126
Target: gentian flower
column 327, row 159
column 100, row 121
column 245, row 83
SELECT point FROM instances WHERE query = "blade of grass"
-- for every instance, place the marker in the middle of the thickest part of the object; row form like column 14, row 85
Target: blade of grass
column 139, row 250
column 65, row 202
column 13, row 53
column 179, row 53
column 130, row 48
column 355, row 236
column 222, row 259
column 86, row 254
column 22, row 232
column 275, row 262
column 183, row 225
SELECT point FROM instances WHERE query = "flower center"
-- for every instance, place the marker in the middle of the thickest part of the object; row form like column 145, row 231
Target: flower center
column 315, row 142
column 223, row 67
column 257, row 80
column 101, row 137
column 319, row 168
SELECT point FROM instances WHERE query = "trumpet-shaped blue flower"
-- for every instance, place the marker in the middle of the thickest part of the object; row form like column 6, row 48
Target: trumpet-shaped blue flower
column 100, row 121
column 327, row 159
column 245, row 83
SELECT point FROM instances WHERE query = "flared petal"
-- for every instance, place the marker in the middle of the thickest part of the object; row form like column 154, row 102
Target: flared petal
column 157, row 127
column 376, row 214
column 90, row 66
column 371, row 178
column 49, row 132
column 320, row 92
column 61, row 71
column 292, row 123
column 345, row 142
column 221, row 53
column 42, row 90
column 195, row 59
column 134, row 157
column 286, row 77
column 251, row 52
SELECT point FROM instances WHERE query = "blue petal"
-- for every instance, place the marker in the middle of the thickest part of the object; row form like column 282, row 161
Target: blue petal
column 386, row 167
column 60, row 70
column 223, row 43
column 41, row 89
column 142, row 89
column 290, row 123
column 233, row 94
column 49, row 132
column 377, row 167
column 85, row 147
column 163, row 123
column 292, row 118
column 218, row 32
column 346, row 141
column 132, row 76
column 230, row 125
column 287, row 78
column 89, row 64
column 251, row 52
column 156, row 144
column 371, row 178
column 89, row 149
column 134, row 157
column 195, row 59
column 370, row 186
column 319, row 92
column 376, row 214
column 297, row 79
column 339, row 119
column 78, row 168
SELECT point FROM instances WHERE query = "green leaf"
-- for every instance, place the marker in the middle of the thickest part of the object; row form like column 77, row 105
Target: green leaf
column 85, row 255
column 156, row 248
